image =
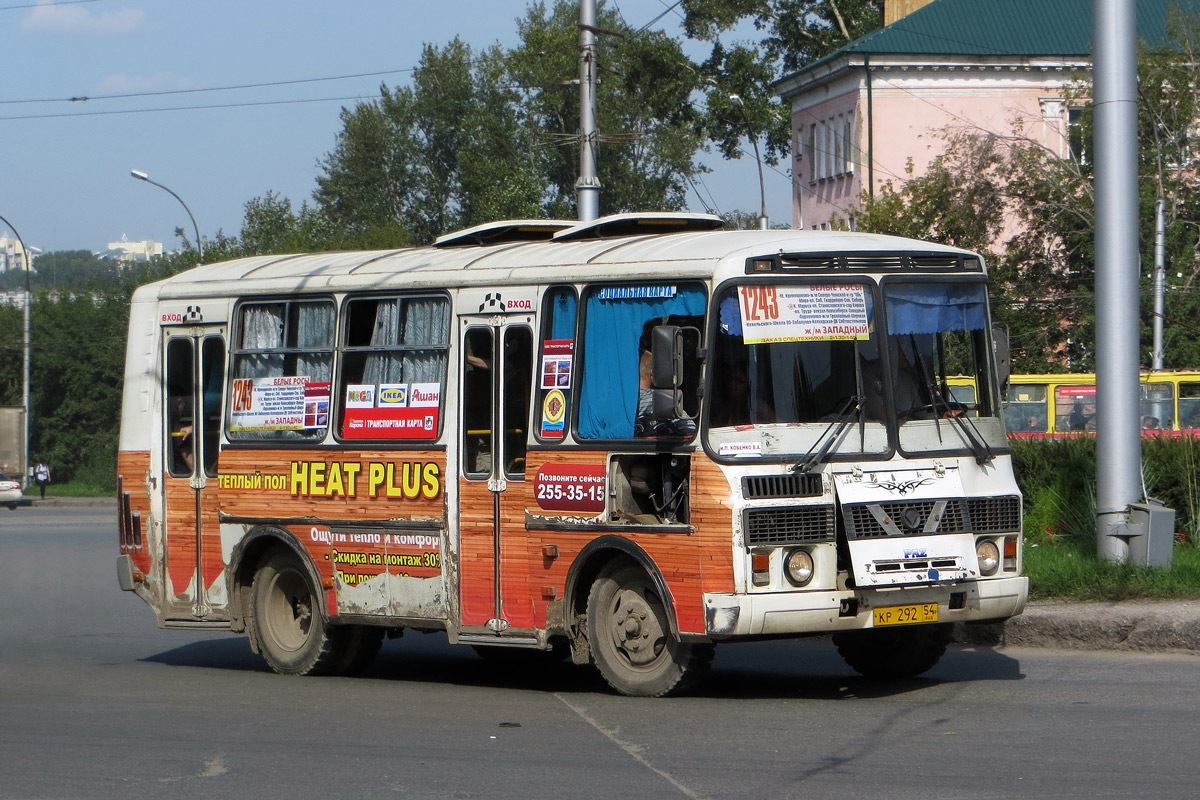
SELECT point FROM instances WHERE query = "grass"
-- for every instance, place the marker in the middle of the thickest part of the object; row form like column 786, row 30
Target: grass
column 1072, row 572
column 71, row 489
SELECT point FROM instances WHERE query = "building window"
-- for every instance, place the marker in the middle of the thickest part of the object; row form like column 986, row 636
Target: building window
column 1077, row 141
column 812, row 153
column 848, row 146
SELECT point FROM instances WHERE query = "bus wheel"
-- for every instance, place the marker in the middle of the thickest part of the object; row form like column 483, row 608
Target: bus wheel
column 893, row 652
column 286, row 615
column 630, row 636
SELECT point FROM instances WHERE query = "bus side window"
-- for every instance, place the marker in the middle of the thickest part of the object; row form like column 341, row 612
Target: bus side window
column 181, row 409
column 477, row 397
column 557, row 367
column 617, row 323
column 1189, row 405
column 518, row 358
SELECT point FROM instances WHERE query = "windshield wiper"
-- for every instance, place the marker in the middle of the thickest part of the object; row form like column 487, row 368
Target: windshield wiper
column 979, row 447
column 831, row 434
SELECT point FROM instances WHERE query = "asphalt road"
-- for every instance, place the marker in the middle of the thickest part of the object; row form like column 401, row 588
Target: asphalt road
column 96, row 702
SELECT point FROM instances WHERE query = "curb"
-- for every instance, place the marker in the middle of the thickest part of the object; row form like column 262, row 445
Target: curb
column 1145, row 626
column 73, row 502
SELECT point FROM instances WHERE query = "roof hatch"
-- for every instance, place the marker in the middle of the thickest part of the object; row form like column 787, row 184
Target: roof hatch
column 640, row 224
column 505, row 231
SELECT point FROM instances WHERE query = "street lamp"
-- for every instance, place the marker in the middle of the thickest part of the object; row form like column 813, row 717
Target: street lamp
column 762, row 190
column 25, row 347
column 141, row 176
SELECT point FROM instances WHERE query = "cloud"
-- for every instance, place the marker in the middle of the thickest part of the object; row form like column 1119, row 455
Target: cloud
column 124, row 83
column 49, row 17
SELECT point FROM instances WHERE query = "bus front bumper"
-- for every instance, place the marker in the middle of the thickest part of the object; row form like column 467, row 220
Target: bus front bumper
column 797, row 613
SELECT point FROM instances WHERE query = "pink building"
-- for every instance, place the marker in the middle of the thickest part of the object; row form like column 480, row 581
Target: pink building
column 862, row 115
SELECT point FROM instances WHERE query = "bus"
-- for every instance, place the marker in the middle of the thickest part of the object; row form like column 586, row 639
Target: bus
column 622, row 441
column 1048, row 405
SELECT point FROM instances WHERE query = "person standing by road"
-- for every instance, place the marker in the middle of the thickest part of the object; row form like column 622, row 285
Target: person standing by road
column 41, row 475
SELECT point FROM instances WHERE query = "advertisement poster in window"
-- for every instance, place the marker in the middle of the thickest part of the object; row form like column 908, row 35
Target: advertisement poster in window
column 557, row 355
column 283, row 403
column 392, row 411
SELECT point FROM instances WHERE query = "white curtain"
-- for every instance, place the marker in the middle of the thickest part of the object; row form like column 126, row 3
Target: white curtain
column 414, row 323
column 314, row 331
column 262, row 329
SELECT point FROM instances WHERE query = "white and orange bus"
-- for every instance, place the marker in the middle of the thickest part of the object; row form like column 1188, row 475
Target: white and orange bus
column 626, row 440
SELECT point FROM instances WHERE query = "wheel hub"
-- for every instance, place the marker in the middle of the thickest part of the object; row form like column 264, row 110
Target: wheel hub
column 636, row 629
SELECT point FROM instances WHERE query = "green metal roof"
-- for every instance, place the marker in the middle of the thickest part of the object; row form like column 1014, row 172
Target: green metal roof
column 1005, row 28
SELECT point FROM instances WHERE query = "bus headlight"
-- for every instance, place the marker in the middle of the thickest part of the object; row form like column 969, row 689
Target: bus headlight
column 798, row 566
column 989, row 556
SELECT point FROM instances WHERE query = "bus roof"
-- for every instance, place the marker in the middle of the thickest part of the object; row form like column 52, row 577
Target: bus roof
column 627, row 257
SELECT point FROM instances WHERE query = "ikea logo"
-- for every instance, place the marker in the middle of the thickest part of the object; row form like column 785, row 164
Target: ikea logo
column 393, row 396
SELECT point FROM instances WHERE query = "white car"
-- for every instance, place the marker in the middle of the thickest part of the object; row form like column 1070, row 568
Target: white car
column 10, row 491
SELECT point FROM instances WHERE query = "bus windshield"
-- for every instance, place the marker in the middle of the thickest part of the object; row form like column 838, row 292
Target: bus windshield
column 788, row 354
column 804, row 368
column 935, row 331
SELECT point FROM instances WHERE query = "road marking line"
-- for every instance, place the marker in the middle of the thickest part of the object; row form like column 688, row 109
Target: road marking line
column 631, row 749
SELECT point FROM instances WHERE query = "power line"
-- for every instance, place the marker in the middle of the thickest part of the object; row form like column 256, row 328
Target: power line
column 180, row 108
column 58, row 3
column 265, row 84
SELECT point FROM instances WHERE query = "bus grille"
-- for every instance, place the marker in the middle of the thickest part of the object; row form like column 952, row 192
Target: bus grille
column 766, row 487
column 995, row 514
column 974, row 515
column 789, row 525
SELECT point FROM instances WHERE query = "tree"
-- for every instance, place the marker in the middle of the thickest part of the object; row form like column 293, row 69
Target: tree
column 432, row 157
column 797, row 33
column 646, row 122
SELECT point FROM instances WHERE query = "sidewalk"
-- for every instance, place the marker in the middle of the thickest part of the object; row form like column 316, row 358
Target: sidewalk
column 1148, row 626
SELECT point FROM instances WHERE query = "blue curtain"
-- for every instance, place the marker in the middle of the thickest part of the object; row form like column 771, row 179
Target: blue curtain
column 562, row 314
column 609, row 394
column 935, row 307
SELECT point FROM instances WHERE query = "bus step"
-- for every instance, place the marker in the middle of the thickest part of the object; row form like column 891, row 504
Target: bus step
column 512, row 641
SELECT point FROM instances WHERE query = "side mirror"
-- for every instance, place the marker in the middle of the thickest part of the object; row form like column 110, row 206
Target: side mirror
column 666, row 354
column 676, row 360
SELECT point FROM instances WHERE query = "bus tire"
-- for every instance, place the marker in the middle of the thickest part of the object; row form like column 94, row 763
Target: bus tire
column 288, row 623
column 630, row 636
column 902, row 652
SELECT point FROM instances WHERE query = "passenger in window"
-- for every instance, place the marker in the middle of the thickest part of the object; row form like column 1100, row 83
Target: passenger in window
column 1077, row 420
column 1149, row 423
column 182, row 441
column 643, row 424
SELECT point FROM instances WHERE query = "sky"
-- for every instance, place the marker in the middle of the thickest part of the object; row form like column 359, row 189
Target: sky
column 156, row 73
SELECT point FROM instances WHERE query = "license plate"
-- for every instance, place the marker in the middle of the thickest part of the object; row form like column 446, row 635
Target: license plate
column 904, row 615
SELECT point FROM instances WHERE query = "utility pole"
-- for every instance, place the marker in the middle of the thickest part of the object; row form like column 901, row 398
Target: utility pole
column 1160, row 279
column 1118, row 428
column 587, row 188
